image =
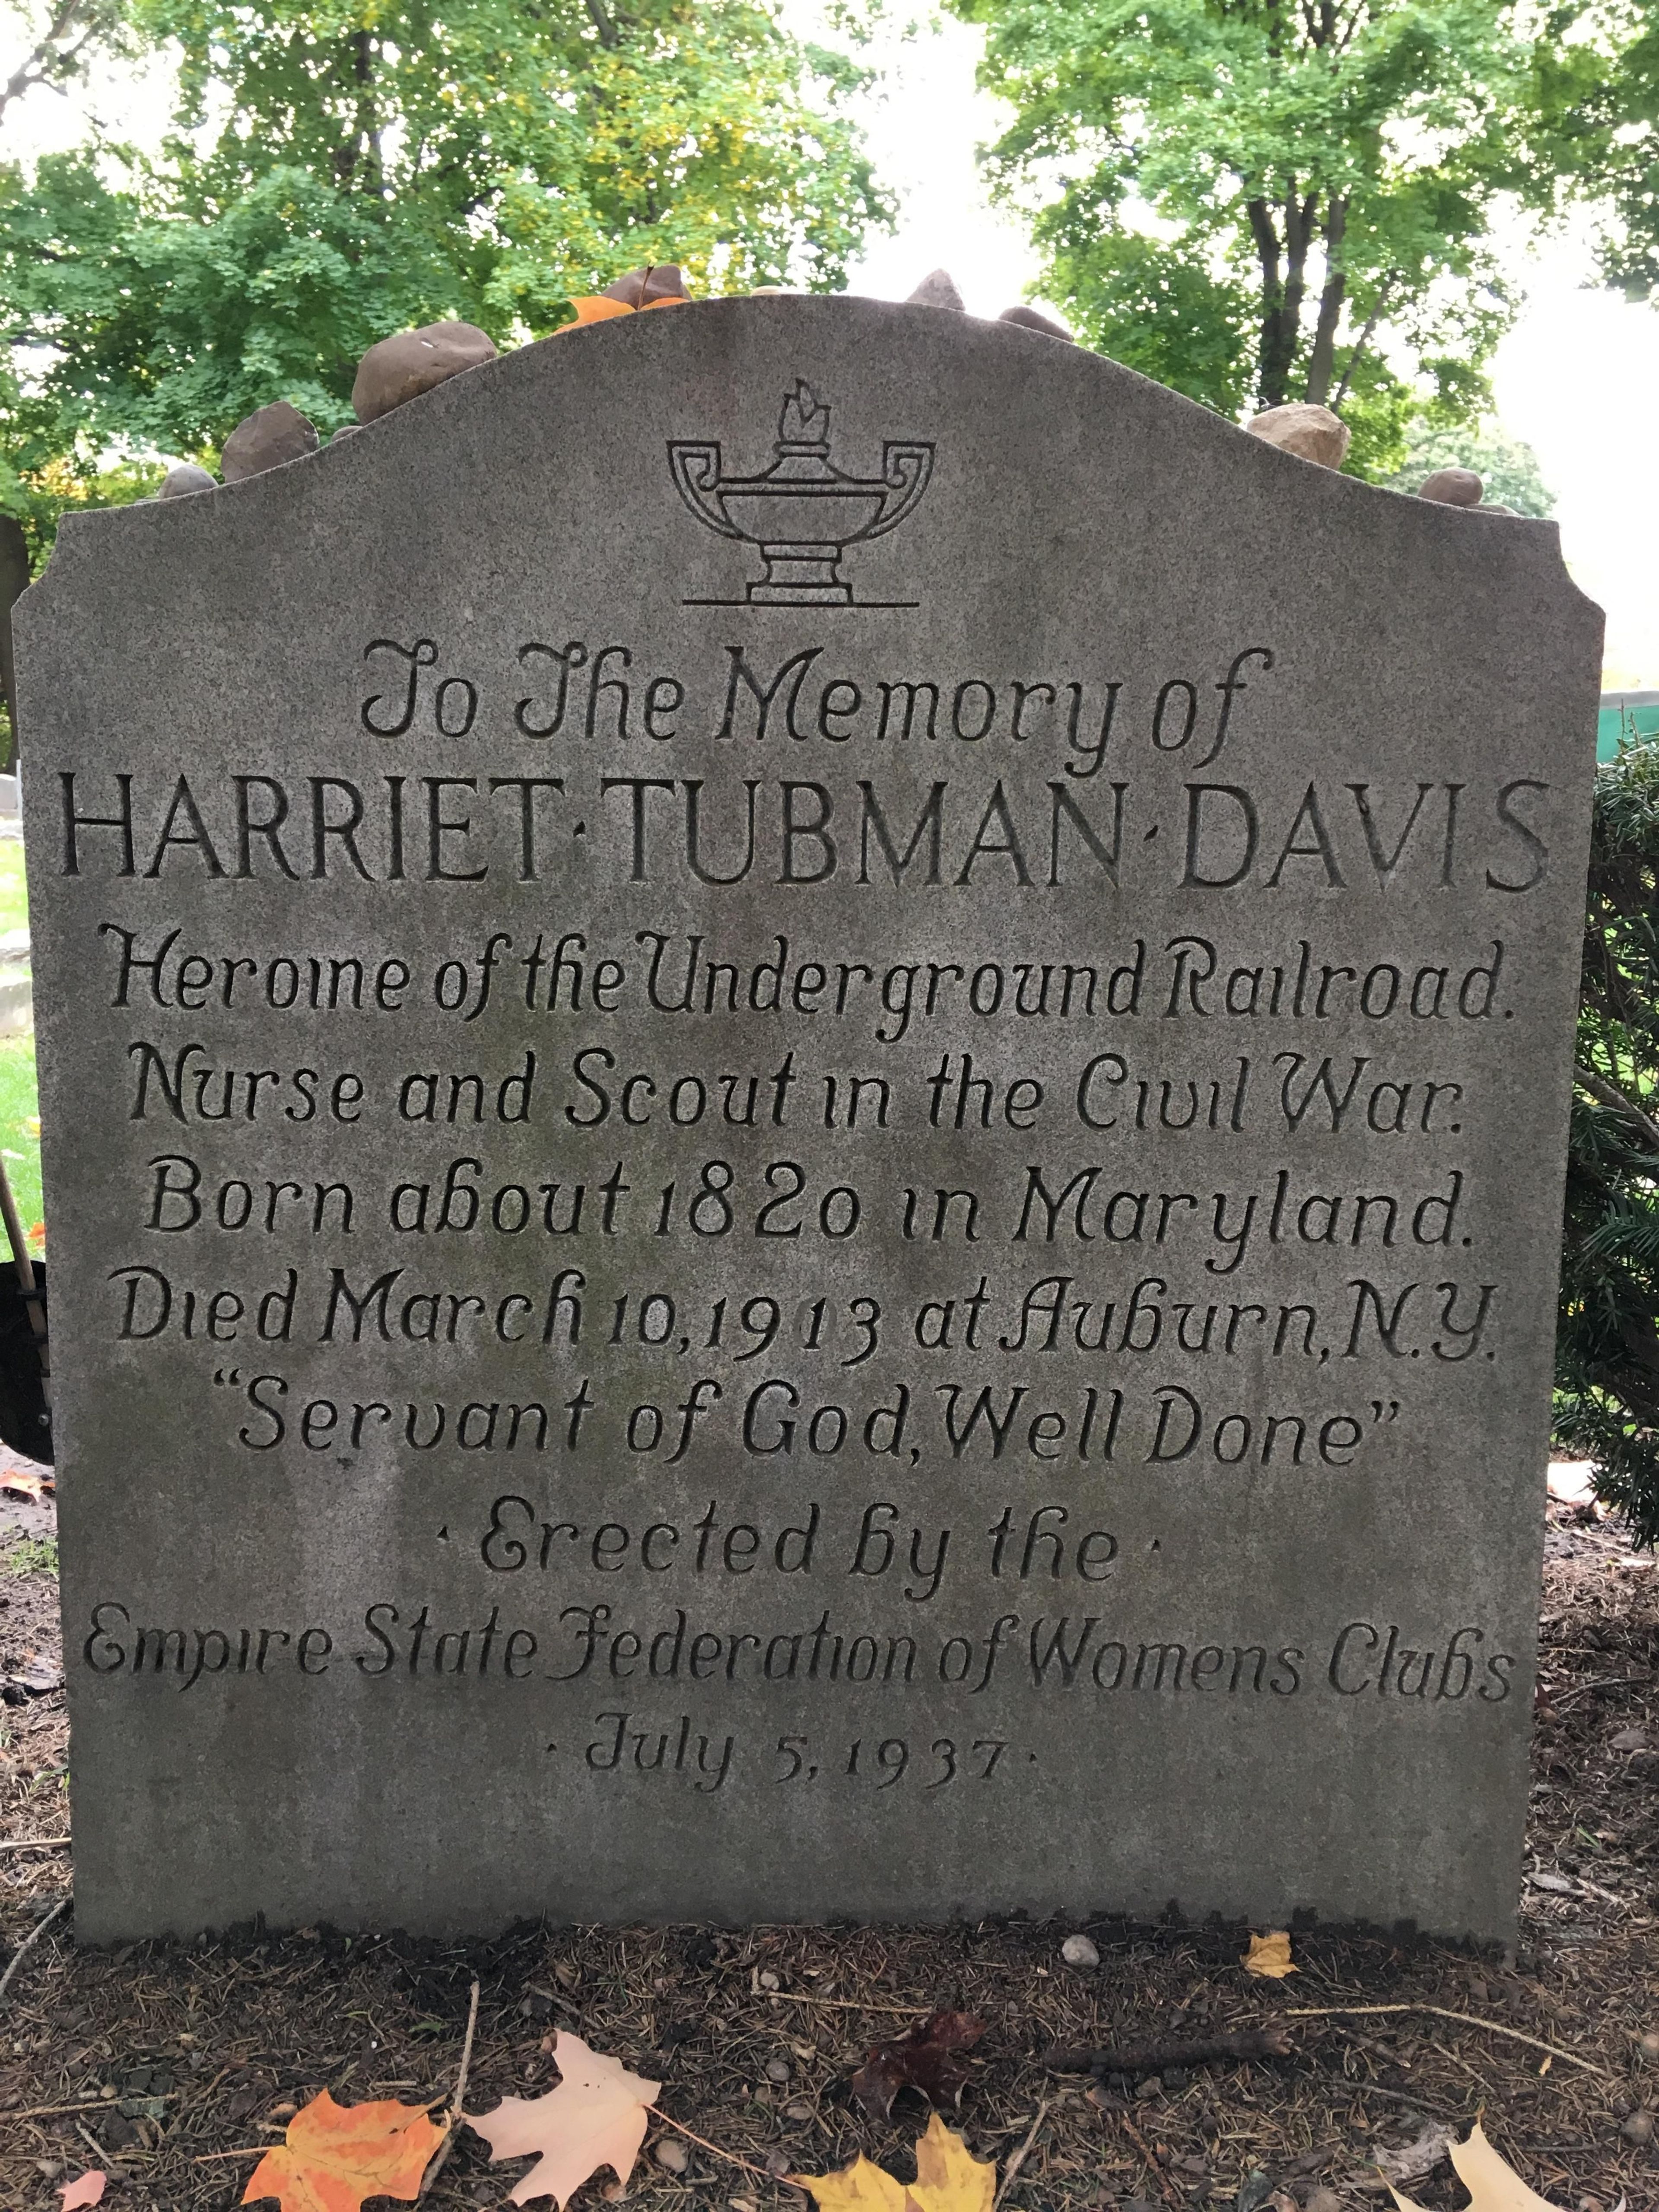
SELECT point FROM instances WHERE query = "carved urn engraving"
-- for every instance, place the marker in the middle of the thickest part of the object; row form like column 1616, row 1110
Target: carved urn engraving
column 802, row 513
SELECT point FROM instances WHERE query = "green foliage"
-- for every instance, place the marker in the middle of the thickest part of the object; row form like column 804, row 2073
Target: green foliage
column 340, row 172
column 1606, row 1352
column 1242, row 197
column 1508, row 467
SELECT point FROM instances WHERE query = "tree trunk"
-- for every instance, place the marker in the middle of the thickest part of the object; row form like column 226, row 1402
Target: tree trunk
column 1269, row 381
column 1323, row 359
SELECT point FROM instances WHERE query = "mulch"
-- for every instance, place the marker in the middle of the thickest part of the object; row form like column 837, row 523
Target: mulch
column 184, row 2060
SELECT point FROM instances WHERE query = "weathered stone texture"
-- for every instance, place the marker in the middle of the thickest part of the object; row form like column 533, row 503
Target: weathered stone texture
column 803, row 1132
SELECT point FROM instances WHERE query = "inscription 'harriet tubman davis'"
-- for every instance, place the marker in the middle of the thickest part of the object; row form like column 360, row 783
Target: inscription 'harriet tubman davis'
column 804, row 1074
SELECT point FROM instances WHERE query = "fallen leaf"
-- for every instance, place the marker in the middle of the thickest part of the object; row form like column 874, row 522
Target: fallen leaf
column 21, row 1484
column 335, row 2155
column 1556, row 1883
column 1269, row 1955
column 88, row 2189
column 926, row 2056
column 594, row 2117
column 1492, row 2182
column 949, row 2178
column 594, row 307
column 1420, row 2158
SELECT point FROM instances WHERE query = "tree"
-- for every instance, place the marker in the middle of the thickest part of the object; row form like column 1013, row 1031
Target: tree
column 340, row 172
column 59, row 44
column 1606, row 1352
column 1273, row 199
column 1507, row 466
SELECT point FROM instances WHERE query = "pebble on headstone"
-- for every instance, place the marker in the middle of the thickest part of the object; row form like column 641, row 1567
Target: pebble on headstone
column 1311, row 432
column 401, row 367
column 1452, row 488
column 936, row 290
column 643, row 288
column 179, row 482
column 1032, row 319
column 265, row 439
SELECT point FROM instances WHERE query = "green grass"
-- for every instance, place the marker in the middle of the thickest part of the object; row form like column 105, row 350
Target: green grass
column 20, row 1104
column 14, row 898
column 34, row 1555
column 19, row 1147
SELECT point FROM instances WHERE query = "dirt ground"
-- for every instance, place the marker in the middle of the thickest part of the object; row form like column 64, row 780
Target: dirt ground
column 173, row 2066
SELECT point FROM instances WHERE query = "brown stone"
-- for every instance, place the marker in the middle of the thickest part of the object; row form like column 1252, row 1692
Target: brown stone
column 1452, row 488
column 265, row 439
column 1311, row 432
column 179, row 482
column 937, row 289
column 640, row 287
column 1030, row 318
column 403, row 366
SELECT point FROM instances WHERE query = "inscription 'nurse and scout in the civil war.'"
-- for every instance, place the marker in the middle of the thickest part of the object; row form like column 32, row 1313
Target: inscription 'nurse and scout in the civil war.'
column 769, row 1144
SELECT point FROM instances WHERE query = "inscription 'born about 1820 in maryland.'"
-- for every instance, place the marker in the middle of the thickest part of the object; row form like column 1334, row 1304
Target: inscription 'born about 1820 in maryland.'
column 855, row 1200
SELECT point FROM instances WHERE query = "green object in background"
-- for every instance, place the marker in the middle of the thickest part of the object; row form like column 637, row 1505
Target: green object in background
column 20, row 1106
column 1626, row 717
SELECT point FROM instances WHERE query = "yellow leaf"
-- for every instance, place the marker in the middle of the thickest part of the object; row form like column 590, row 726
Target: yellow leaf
column 31, row 1124
column 860, row 2187
column 335, row 2155
column 1492, row 2182
column 1269, row 1955
column 949, row 2178
column 595, row 2116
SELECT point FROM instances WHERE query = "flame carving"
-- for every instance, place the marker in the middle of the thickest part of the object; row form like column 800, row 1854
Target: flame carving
column 804, row 420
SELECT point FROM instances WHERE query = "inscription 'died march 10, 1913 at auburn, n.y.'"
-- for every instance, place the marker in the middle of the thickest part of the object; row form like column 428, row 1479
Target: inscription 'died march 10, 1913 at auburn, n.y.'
column 804, row 1073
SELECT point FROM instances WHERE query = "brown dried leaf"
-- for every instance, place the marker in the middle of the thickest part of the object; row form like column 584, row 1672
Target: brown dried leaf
column 927, row 2056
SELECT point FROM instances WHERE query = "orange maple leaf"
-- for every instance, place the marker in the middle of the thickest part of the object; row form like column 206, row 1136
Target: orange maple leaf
column 335, row 2155
column 595, row 308
column 595, row 2116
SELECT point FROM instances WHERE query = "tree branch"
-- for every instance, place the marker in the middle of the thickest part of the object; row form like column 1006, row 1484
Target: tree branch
column 51, row 62
column 1362, row 341
column 1323, row 357
column 1609, row 1095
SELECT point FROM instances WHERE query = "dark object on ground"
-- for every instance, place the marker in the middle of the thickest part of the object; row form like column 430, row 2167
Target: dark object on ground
column 184, row 480
column 265, row 440
column 1606, row 1341
column 1028, row 318
column 1159, row 2056
column 927, row 2056
column 24, row 1418
column 936, row 290
column 401, row 367
column 640, row 287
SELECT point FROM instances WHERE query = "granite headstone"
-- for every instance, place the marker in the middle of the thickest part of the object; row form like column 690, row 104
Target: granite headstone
column 805, row 1071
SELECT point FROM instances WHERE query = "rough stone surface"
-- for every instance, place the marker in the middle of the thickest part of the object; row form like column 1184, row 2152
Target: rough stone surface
column 1038, row 1285
column 180, row 481
column 401, row 367
column 1314, row 433
column 1452, row 488
column 936, row 290
column 265, row 439
column 1033, row 318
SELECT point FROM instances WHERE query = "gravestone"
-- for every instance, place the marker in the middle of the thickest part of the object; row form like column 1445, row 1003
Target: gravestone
column 804, row 1073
